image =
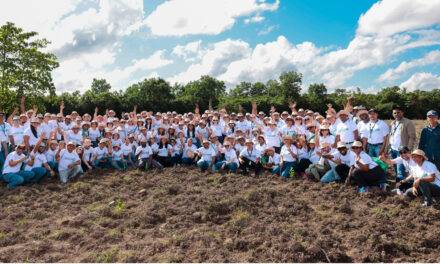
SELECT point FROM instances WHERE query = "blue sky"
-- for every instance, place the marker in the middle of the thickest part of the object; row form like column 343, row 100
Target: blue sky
column 343, row 43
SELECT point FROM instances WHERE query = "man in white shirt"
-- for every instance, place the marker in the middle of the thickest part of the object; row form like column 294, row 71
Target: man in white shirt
column 229, row 161
column 346, row 129
column 4, row 138
column 376, row 135
column 144, row 154
column 250, row 158
column 342, row 159
column 12, row 173
column 69, row 163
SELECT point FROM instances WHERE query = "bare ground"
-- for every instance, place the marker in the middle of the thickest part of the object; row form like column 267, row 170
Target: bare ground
column 185, row 216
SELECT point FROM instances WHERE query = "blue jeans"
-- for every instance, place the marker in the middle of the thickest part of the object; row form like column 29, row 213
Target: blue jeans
column 103, row 163
column 119, row 164
column 330, row 176
column 53, row 165
column 203, row 165
column 276, row 170
column 399, row 168
column 286, row 167
column 16, row 179
column 232, row 167
column 187, row 161
column 374, row 150
column 39, row 172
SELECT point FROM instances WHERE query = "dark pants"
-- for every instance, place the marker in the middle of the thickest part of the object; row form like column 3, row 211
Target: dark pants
column 248, row 164
column 429, row 190
column 165, row 161
column 342, row 170
column 372, row 177
column 302, row 165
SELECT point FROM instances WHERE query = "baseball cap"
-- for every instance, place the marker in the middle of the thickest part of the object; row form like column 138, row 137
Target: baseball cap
column 432, row 113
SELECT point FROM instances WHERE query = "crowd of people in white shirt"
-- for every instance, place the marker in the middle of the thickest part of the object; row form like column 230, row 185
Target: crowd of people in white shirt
column 352, row 146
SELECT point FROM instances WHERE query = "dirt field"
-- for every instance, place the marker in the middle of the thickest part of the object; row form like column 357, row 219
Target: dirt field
column 182, row 215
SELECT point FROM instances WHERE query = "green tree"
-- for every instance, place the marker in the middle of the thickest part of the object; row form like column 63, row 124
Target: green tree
column 206, row 89
column 24, row 66
column 150, row 94
column 290, row 85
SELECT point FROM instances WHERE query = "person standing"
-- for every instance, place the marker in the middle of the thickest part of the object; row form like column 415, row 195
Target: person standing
column 430, row 138
column 376, row 136
column 402, row 134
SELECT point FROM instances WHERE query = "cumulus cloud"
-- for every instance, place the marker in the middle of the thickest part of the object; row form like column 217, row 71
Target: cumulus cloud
column 215, row 60
column 392, row 74
column 190, row 51
column 422, row 81
column 389, row 17
column 191, row 17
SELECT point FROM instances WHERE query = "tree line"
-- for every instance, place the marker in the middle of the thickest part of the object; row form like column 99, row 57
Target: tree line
column 25, row 70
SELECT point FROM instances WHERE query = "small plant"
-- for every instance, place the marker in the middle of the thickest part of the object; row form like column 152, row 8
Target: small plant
column 119, row 208
column 107, row 256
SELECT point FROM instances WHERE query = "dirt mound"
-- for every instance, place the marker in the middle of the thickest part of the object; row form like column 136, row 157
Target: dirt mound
column 181, row 215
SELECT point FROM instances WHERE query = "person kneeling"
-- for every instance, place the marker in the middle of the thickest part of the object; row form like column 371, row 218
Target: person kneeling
column 207, row 157
column 250, row 158
column 69, row 163
column 144, row 155
column 230, row 160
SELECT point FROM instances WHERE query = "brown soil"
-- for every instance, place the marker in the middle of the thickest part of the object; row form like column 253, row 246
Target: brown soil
column 185, row 216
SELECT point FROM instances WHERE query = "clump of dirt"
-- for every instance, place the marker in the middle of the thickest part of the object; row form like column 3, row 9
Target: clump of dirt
column 181, row 215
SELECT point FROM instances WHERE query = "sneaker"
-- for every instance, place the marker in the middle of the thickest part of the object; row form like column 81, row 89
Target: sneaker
column 426, row 204
column 397, row 191
column 362, row 189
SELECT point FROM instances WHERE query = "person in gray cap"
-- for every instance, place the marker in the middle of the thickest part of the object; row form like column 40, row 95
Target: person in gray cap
column 430, row 138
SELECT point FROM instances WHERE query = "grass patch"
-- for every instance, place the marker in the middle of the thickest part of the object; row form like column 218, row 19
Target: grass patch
column 107, row 256
column 119, row 208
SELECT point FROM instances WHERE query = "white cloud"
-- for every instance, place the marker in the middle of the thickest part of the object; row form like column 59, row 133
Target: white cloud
column 255, row 19
column 392, row 74
column 215, row 60
column 190, row 51
column 422, row 81
column 190, row 17
column 389, row 17
column 266, row 30
column 77, row 73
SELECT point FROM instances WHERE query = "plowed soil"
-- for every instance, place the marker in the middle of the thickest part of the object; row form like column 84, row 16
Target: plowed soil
column 181, row 215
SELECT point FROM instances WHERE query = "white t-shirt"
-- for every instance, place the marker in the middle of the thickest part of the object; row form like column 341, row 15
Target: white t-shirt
column 127, row 149
column 285, row 154
column 100, row 152
column 94, row 134
column 67, row 158
column 117, row 155
column 345, row 130
column 329, row 139
column 88, row 153
column 45, row 128
column 32, row 139
column 408, row 164
column 217, row 130
column 363, row 129
column 12, row 156
column 275, row 159
column 17, row 133
column 286, row 130
column 187, row 149
column 163, row 152
column 144, row 152
column 231, row 156
column 39, row 160
column 272, row 137
column 50, row 155
column 427, row 169
column 366, row 160
column 251, row 155
column 206, row 153
column 4, row 131
column 348, row 159
column 74, row 137
column 395, row 135
column 376, row 132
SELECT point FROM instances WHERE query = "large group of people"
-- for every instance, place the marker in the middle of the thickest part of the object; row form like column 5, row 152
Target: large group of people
column 352, row 146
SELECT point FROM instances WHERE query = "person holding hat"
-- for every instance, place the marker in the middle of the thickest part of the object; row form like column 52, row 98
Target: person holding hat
column 102, row 154
column 37, row 162
column 426, row 178
column 12, row 173
column 402, row 134
column 69, row 163
column 206, row 156
column 229, row 161
column 430, row 138
column 249, row 158
column 365, row 172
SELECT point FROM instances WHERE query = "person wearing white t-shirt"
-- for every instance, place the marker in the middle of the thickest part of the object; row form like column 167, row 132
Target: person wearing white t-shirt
column 249, row 158
column 273, row 136
column 127, row 150
column 342, row 159
column 69, row 163
column 118, row 162
column 37, row 162
column 426, row 178
column 230, row 160
column 144, row 155
column 31, row 135
column 346, row 129
column 102, row 154
column 376, row 136
column 188, row 155
column 12, row 173
column 365, row 172
column 271, row 161
column 289, row 156
column 16, row 132
column 207, row 156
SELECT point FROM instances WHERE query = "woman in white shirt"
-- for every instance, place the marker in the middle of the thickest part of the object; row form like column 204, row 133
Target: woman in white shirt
column 229, row 160
column 164, row 152
column 188, row 155
column 273, row 136
column 365, row 172
column 289, row 156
